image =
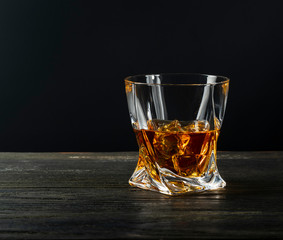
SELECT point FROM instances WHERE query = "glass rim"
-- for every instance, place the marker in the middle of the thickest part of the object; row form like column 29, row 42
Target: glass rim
column 223, row 79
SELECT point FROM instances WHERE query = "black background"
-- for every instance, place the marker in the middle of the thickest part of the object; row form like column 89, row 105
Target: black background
column 62, row 65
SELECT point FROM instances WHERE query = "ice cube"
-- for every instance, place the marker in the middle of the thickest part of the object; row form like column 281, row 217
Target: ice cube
column 187, row 165
column 173, row 126
column 165, row 144
column 197, row 126
column 152, row 125
column 166, row 140
column 183, row 142
column 155, row 124
column 170, row 139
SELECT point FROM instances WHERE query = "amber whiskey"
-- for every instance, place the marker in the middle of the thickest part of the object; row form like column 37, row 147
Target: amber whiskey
column 182, row 148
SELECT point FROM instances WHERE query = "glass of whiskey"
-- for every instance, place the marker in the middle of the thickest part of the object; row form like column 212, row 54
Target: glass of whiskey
column 177, row 119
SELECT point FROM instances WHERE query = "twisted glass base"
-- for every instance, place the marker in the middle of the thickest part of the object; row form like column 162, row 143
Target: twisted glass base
column 150, row 176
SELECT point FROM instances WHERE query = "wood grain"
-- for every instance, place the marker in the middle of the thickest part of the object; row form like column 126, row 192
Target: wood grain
column 87, row 196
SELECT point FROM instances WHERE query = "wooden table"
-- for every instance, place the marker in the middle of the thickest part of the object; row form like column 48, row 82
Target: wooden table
column 87, row 196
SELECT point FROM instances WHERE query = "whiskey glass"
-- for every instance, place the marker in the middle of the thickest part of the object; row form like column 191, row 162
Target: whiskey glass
column 177, row 120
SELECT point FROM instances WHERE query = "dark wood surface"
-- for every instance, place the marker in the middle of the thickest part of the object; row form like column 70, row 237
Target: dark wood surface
column 87, row 196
